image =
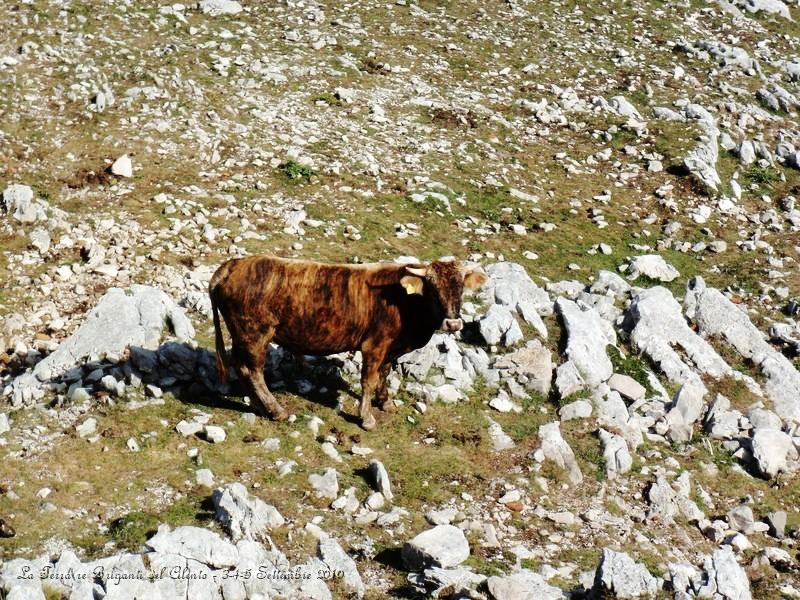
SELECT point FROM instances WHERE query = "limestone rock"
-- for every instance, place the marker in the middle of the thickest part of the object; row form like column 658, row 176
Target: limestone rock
column 443, row 546
column 244, row 516
column 623, row 577
column 556, row 449
column 523, row 585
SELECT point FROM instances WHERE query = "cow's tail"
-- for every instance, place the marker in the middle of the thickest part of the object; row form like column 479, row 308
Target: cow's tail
column 222, row 364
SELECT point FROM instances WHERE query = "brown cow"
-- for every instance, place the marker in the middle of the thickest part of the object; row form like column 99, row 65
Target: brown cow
column 384, row 310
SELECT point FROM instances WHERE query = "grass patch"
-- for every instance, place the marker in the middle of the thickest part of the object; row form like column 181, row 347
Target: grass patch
column 132, row 530
column 629, row 365
column 293, row 172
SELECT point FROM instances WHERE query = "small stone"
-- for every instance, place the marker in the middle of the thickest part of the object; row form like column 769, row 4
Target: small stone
column 122, row 167
column 132, row 445
column 325, row 485
column 380, row 478
column 87, row 428
column 777, row 523
column 204, row 477
column 214, row 434
column 627, row 386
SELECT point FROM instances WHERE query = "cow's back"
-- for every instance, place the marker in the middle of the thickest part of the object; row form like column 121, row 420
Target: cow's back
column 315, row 308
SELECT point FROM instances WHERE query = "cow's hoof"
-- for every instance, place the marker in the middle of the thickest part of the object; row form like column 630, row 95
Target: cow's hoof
column 280, row 415
column 369, row 423
column 388, row 406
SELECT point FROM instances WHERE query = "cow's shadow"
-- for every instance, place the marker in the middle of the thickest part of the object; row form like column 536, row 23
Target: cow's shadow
column 190, row 375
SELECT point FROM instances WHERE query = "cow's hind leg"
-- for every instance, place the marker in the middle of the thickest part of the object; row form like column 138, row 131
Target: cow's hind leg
column 382, row 395
column 250, row 362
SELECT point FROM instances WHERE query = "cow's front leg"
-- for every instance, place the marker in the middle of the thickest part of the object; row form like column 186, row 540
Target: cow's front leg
column 382, row 395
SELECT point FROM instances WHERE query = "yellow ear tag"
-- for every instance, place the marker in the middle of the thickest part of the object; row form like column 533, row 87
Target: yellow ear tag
column 412, row 285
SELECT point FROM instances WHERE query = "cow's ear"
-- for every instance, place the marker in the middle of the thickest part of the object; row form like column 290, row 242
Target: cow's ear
column 474, row 279
column 412, row 284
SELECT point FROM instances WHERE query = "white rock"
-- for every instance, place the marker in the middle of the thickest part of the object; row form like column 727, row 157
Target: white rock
column 523, row 585
column 123, row 166
column 556, row 449
column 87, row 428
column 325, row 485
column 204, row 477
column 443, row 546
column 380, row 478
column 653, row 266
column 623, row 577
column 214, row 434
column 244, row 517
column 219, row 7
column 627, row 386
column 771, row 449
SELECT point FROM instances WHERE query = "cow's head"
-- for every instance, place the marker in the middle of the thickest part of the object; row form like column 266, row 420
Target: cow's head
column 443, row 283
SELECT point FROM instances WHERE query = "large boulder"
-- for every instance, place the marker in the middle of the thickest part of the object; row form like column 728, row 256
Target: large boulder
column 134, row 318
column 715, row 315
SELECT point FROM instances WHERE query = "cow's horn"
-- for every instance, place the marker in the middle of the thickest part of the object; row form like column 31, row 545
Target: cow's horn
column 418, row 271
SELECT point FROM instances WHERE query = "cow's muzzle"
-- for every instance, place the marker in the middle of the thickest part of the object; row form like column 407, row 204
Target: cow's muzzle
column 452, row 325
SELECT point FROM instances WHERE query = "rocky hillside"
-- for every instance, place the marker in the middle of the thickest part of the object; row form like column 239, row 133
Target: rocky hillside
column 620, row 417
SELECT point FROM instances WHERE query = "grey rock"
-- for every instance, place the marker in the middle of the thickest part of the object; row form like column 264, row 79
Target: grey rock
column 325, row 485
column 336, row 559
column 510, row 287
column 214, row 434
column 380, row 478
column 443, row 546
column 746, row 152
column 740, row 518
column 702, row 159
column 244, row 516
column 499, row 439
column 658, row 329
column 580, row 409
column 18, row 201
column 87, row 428
column 194, row 543
column 40, row 239
column 5, row 427
column 777, row 523
column 608, row 282
column 533, row 362
column 523, row 585
column 121, row 319
column 653, row 266
column 568, row 379
column 204, row 477
column 620, row 575
column 726, row 580
column 721, row 421
column 122, row 167
column 771, row 450
column 499, row 325
column 556, row 449
column 615, row 451
column 715, row 315
column 445, row 583
column 627, row 386
column 219, row 7
column 587, row 337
